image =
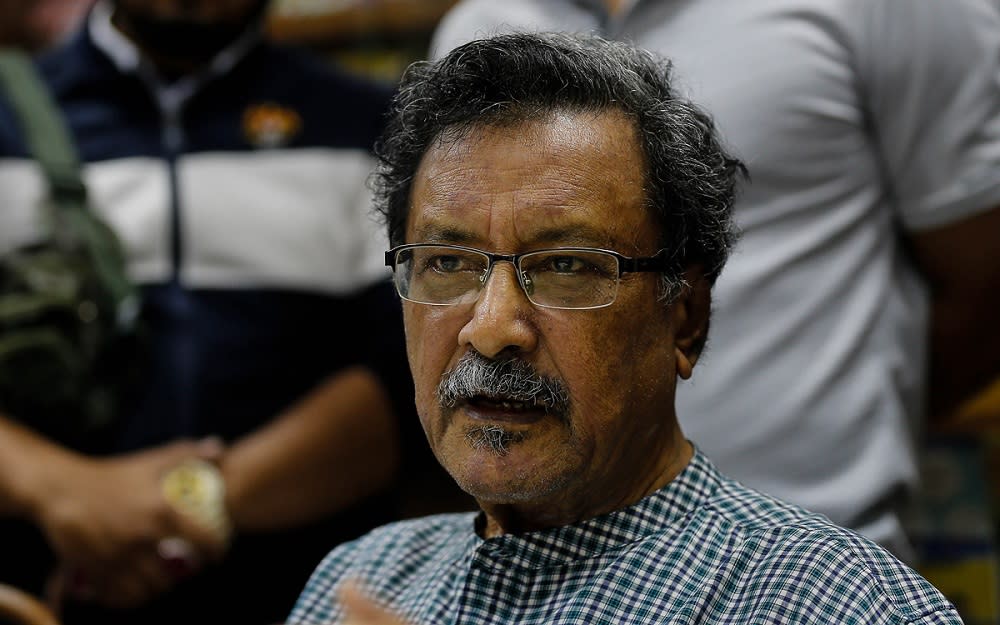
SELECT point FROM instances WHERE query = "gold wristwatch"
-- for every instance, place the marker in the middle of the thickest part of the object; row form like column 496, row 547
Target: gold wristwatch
column 196, row 488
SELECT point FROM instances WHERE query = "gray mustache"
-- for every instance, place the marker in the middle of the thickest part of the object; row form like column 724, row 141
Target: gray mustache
column 508, row 379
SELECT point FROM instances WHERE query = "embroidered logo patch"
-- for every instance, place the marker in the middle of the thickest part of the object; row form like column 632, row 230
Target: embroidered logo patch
column 270, row 125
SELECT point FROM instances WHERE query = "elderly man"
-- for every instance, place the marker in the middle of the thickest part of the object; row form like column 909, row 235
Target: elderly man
column 558, row 216
column 867, row 270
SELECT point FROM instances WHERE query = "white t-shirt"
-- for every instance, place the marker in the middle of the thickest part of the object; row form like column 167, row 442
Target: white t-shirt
column 857, row 119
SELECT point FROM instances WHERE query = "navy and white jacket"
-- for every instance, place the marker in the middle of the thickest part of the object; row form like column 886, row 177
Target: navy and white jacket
column 240, row 197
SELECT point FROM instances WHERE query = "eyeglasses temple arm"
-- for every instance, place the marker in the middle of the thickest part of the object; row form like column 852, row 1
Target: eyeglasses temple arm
column 660, row 262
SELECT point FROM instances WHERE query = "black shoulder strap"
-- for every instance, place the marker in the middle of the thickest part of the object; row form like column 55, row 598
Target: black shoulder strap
column 49, row 143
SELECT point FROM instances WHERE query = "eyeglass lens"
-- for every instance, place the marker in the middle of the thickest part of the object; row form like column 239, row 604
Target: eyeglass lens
column 553, row 279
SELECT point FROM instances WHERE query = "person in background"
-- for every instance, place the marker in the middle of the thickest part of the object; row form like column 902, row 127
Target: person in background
column 558, row 215
column 233, row 171
column 865, row 293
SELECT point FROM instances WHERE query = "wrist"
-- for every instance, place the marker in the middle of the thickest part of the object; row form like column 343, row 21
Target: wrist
column 197, row 489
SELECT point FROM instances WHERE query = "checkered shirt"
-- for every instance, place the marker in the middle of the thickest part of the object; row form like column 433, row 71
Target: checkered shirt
column 704, row 549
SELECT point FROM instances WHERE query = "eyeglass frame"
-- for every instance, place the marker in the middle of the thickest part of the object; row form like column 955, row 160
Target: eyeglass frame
column 658, row 263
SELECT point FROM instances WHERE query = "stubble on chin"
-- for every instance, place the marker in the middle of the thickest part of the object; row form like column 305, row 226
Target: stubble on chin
column 493, row 438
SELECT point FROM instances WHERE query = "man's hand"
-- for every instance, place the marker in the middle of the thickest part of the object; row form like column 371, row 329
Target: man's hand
column 109, row 523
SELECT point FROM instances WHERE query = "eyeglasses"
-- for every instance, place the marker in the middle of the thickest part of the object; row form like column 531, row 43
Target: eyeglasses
column 574, row 278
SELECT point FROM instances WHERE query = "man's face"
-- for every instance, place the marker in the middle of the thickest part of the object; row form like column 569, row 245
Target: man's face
column 575, row 179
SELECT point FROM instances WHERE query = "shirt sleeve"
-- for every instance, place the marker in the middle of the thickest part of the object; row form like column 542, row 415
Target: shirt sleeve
column 930, row 76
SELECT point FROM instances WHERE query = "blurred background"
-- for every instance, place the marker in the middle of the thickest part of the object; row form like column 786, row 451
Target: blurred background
column 374, row 37
column 956, row 524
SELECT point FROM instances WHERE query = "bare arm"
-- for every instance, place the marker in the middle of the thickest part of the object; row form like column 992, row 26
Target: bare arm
column 961, row 263
column 333, row 448
column 20, row 449
column 102, row 516
column 328, row 451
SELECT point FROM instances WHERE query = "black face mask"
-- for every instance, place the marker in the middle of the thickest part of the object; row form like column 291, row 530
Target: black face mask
column 186, row 41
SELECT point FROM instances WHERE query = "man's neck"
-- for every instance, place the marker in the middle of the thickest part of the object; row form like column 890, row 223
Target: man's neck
column 593, row 500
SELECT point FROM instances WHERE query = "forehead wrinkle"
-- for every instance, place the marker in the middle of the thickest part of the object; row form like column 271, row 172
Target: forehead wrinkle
column 568, row 177
column 549, row 192
column 444, row 233
column 554, row 205
column 573, row 235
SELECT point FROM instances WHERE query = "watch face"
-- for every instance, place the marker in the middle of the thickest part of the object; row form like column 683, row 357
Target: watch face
column 196, row 488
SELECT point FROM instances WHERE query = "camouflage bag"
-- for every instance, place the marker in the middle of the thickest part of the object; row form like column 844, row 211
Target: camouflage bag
column 69, row 331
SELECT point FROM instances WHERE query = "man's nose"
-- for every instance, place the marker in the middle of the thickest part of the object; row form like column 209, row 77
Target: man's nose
column 502, row 317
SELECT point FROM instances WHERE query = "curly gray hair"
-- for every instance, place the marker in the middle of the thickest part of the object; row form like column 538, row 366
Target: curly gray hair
column 691, row 181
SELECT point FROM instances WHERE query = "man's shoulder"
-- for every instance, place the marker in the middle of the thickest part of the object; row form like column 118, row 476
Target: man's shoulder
column 427, row 527
column 408, row 536
column 736, row 523
column 774, row 545
column 754, row 517
column 753, row 510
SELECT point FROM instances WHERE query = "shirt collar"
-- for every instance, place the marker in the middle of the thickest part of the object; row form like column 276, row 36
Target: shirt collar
column 122, row 52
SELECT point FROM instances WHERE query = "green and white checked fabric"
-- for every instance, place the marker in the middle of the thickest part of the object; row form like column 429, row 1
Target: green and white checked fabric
column 704, row 549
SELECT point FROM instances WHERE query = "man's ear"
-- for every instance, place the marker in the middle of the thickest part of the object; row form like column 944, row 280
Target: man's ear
column 690, row 316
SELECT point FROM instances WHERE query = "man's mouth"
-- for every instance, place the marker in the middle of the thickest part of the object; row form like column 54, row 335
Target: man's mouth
column 502, row 409
column 511, row 405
